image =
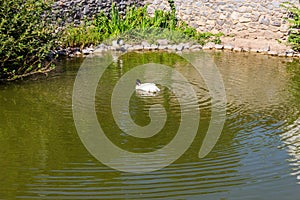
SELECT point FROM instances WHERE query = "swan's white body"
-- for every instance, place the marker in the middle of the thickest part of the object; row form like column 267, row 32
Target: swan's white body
column 146, row 87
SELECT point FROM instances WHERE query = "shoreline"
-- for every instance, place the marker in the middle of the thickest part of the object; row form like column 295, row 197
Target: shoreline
column 259, row 46
column 229, row 44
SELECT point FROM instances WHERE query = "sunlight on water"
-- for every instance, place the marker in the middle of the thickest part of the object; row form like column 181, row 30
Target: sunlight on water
column 256, row 157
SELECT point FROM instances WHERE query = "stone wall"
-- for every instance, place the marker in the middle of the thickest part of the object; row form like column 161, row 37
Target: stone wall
column 247, row 19
column 74, row 11
column 239, row 18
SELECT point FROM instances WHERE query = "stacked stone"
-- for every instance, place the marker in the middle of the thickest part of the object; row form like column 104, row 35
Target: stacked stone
column 66, row 11
column 157, row 5
column 241, row 18
column 165, row 45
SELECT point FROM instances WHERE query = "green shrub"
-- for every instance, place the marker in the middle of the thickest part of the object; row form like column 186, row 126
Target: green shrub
column 80, row 36
column 294, row 35
column 103, row 27
column 25, row 37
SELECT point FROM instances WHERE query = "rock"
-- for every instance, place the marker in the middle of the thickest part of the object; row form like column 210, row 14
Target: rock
column 194, row 25
column 112, row 48
column 273, row 53
column 86, row 51
column 255, row 16
column 243, row 9
column 120, row 41
column 220, row 22
column 147, row 48
column 201, row 23
column 276, row 23
column 150, row 10
column 145, row 44
column 235, row 15
column 254, row 50
column 246, row 49
column 228, row 47
column 162, row 47
column 290, row 51
column 150, row 46
column 244, row 20
column 195, row 47
column 179, row 47
column 264, row 49
column 86, row 10
column 261, row 19
column 100, row 48
column 138, row 47
column 77, row 53
column 62, row 52
column 282, row 54
column 162, row 42
column 213, row 16
column 172, row 47
column 237, row 49
column 265, row 21
column 284, row 28
column 186, row 45
column 154, row 47
column 115, row 44
column 76, row 49
column 126, row 46
column 131, row 48
column 122, row 49
column 234, row 22
column 219, row 46
column 209, row 45
column 222, row 17
column 211, row 22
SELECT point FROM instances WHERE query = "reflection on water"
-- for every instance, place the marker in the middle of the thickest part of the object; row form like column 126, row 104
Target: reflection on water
column 291, row 140
column 256, row 157
column 291, row 134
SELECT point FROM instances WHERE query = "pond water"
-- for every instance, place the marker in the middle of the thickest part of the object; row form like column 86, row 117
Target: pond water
column 257, row 155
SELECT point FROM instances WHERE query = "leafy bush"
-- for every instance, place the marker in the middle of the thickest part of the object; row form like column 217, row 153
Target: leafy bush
column 25, row 37
column 80, row 36
column 103, row 27
column 294, row 20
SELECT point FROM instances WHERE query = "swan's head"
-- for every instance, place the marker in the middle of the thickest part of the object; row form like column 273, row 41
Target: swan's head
column 138, row 82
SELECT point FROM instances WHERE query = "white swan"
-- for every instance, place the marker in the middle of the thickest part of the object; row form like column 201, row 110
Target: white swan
column 146, row 87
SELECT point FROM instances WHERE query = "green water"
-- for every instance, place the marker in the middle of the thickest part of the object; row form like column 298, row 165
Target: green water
column 256, row 157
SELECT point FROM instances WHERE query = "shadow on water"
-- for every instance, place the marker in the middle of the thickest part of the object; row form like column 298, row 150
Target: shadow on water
column 257, row 156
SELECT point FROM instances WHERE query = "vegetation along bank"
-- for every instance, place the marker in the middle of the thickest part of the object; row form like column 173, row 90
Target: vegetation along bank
column 33, row 33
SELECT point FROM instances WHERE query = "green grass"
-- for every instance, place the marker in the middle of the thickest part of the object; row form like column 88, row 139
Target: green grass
column 135, row 26
column 294, row 36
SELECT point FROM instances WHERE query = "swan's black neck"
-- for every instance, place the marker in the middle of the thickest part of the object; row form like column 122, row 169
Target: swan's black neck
column 138, row 82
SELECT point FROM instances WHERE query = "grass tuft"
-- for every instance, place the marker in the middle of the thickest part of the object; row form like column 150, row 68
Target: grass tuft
column 103, row 27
